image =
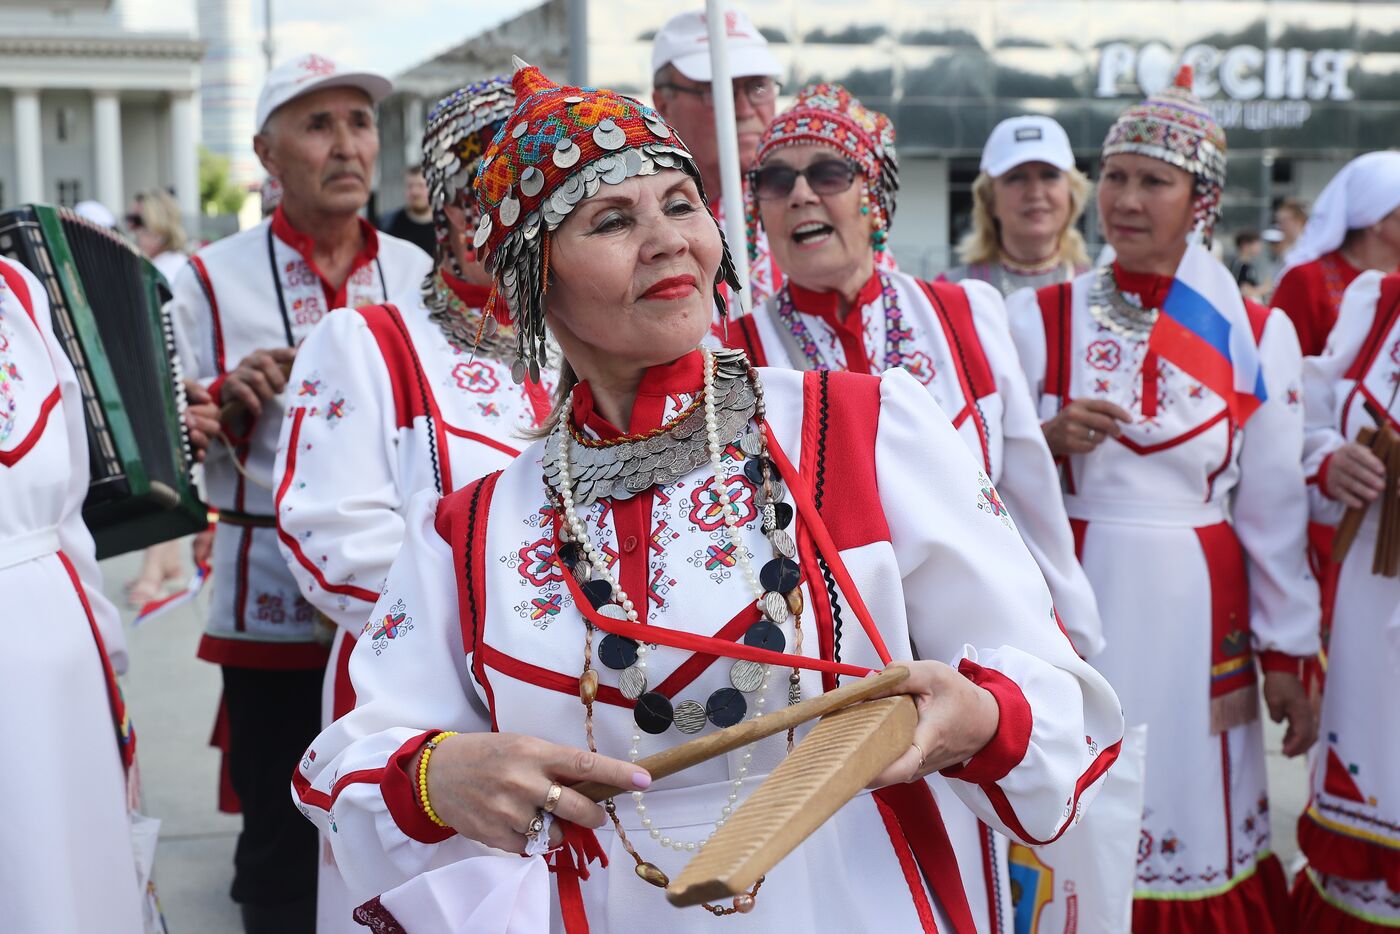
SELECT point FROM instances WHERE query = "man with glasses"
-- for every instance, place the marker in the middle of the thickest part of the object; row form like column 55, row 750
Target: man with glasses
column 680, row 62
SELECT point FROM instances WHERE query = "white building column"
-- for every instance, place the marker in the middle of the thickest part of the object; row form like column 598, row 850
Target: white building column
column 29, row 146
column 107, row 150
column 184, row 156
column 413, row 130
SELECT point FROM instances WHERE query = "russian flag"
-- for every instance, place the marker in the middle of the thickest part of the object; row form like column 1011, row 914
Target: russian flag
column 180, row 597
column 1204, row 329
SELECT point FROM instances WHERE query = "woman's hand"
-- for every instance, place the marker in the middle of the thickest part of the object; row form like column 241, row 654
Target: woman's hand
column 956, row 719
column 1083, row 425
column 1286, row 698
column 488, row 786
column 1355, row 476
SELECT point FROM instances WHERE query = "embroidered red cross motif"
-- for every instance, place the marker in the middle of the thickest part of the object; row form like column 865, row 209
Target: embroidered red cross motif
column 545, row 607
column 309, row 387
column 1104, row 355
column 476, row 376
column 1293, row 397
column 707, row 512
column 315, row 67
column 920, row 366
column 993, row 498
column 489, row 409
column 732, row 452
column 1197, row 391
column 720, row 556
column 537, row 564
column 1102, row 385
column 336, row 409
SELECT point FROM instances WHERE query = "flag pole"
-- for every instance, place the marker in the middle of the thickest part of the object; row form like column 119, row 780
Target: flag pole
column 726, row 131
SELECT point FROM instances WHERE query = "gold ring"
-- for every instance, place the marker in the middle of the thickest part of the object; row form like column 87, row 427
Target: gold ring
column 551, row 800
column 922, row 755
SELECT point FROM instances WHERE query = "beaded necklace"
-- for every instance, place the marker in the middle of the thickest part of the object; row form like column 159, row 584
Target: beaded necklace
column 776, row 595
column 896, row 336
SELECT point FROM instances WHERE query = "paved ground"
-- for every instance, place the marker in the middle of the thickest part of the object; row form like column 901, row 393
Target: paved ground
column 173, row 696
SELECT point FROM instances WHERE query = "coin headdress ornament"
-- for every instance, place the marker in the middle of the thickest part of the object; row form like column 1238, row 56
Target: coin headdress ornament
column 558, row 147
column 459, row 128
column 831, row 115
column 1175, row 126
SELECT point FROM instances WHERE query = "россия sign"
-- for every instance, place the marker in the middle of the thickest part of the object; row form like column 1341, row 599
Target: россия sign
column 1245, row 86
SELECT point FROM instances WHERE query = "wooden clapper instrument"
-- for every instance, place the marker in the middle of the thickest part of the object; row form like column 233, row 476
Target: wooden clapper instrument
column 1385, row 444
column 855, row 741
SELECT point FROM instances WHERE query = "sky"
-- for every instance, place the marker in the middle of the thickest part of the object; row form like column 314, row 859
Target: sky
column 388, row 36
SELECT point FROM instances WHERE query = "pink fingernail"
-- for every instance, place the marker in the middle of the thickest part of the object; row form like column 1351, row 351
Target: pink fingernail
column 641, row 780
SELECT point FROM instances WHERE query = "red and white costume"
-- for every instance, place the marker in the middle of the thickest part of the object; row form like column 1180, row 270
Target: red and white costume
column 66, row 853
column 958, row 345
column 1350, row 831
column 1192, row 530
column 478, row 630
column 261, row 289
column 415, row 413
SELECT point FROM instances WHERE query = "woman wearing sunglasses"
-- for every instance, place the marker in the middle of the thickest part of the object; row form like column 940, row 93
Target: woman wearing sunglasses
column 654, row 569
column 825, row 188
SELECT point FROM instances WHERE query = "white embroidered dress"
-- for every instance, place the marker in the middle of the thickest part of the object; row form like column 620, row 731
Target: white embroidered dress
column 66, row 851
column 256, row 290
column 1179, row 518
column 1350, row 831
column 943, row 562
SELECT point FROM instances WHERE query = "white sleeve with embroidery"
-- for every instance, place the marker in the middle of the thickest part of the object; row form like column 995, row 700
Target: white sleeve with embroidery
column 1326, row 387
column 1029, row 482
column 1270, row 510
column 972, row 591
column 339, row 505
column 415, row 682
column 1028, row 334
column 73, row 536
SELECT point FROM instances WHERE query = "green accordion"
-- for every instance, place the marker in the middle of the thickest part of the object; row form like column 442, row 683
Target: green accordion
column 107, row 303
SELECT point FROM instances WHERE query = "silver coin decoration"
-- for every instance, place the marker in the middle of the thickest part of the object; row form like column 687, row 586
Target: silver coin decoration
column 611, row 610
column 566, row 154
column 609, row 135
column 573, row 100
column 583, row 572
column 690, row 716
column 517, row 370
column 774, row 606
column 746, row 676
column 658, row 129
column 751, row 443
column 519, row 130
column 782, row 543
column 510, row 211
column 1114, row 312
column 770, row 492
column 632, row 683
column 531, row 182
column 483, row 232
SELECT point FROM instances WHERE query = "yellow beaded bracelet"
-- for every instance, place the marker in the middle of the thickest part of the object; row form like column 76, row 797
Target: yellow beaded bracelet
column 423, row 778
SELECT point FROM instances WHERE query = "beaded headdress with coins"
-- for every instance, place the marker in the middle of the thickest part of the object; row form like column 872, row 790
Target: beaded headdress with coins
column 832, row 115
column 1175, row 126
column 559, row 146
column 459, row 129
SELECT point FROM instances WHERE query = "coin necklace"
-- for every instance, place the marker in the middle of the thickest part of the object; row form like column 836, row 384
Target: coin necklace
column 1114, row 312
column 776, row 595
column 469, row 330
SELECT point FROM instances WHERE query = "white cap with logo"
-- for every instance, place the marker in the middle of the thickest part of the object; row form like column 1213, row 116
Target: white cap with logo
column 312, row 72
column 1030, row 138
column 685, row 43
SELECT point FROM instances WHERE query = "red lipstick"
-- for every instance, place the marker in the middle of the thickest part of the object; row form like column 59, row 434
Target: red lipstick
column 670, row 289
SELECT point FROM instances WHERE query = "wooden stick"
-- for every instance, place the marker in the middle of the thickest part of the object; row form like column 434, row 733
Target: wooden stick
column 703, row 748
column 1351, row 519
column 838, row 758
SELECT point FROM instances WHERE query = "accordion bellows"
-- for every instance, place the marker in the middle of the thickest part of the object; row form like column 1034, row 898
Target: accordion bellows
column 107, row 306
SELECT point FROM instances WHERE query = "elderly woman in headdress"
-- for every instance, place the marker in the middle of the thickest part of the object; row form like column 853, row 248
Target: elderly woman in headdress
column 654, row 568
column 1177, row 412
column 1026, row 200
column 825, row 185
column 1350, row 831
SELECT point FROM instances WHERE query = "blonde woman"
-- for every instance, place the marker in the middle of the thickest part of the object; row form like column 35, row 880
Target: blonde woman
column 155, row 224
column 1026, row 202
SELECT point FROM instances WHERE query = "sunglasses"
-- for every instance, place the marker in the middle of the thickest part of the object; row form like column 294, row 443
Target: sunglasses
column 135, row 221
column 827, row 177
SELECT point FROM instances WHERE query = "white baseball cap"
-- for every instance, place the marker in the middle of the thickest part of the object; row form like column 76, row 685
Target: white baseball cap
column 1029, row 138
column 685, row 43
column 312, row 72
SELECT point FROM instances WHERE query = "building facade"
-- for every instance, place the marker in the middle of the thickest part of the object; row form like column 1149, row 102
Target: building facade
column 1300, row 87
column 99, row 100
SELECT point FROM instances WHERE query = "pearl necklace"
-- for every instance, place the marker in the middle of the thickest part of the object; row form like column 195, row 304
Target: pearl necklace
column 578, row 533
